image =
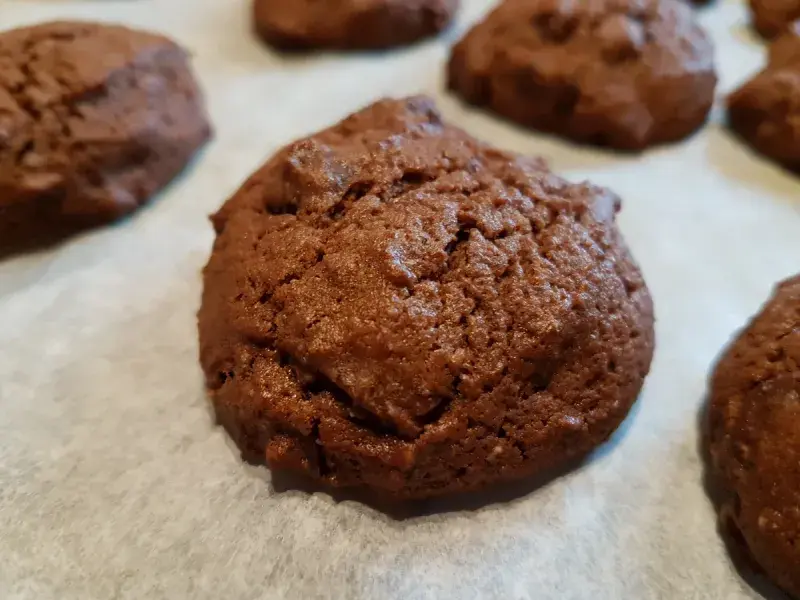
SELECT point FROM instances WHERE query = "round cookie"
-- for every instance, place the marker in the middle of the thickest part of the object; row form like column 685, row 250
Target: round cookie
column 391, row 304
column 772, row 17
column 765, row 111
column 620, row 73
column 754, row 435
column 84, row 141
column 350, row 24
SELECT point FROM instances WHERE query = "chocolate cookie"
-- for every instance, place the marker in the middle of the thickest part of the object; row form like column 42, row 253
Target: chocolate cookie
column 94, row 119
column 765, row 111
column 621, row 73
column 772, row 17
column 391, row 304
column 754, row 436
column 350, row 24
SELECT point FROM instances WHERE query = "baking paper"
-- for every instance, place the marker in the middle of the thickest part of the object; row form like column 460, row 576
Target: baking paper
column 116, row 483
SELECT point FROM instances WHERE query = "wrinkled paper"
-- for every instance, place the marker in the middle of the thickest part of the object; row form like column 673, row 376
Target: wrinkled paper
column 116, row 483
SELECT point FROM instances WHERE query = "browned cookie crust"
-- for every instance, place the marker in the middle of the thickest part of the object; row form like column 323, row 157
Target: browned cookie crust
column 754, row 426
column 394, row 305
column 765, row 111
column 773, row 17
column 621, row 73
column 94, row 119
column 350, row 24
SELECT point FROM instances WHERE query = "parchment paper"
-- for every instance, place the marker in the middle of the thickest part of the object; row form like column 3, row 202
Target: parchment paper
column 115, row 482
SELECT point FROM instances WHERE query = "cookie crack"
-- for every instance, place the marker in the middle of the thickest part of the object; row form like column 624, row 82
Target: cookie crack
column 295, row 275
column 460, row 237
column 57, row 113
column 21, row 93
column 317, row 387
column 409, row 181
column 316, row 384
column 319, row 449
column 437, row 413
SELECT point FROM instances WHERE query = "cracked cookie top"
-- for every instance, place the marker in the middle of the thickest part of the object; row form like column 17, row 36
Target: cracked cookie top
column 754, row 435
column 620, row 73
column 94, row 119
column 391, row 287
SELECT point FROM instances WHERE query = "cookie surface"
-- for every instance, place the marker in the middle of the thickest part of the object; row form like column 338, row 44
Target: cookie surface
column 754, row 435
column 391, row 304
column 765, row 111
column 84, row 141
column 772, row 17
column 350, row 24
column 620, row 73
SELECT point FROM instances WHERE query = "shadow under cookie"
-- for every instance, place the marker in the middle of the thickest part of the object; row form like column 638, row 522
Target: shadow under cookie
column 727, row 154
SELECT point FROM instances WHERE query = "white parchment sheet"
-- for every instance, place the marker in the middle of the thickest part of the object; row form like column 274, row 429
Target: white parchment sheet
column 115, row 482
